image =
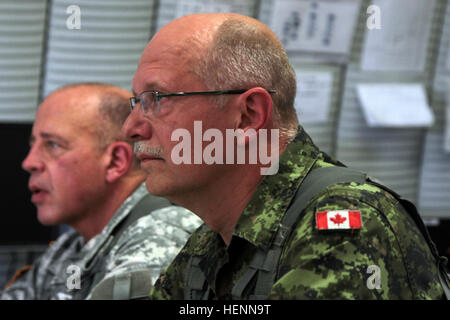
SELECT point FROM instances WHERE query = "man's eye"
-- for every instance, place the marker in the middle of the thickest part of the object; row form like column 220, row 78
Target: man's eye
column 163, row 99
column 52, row 144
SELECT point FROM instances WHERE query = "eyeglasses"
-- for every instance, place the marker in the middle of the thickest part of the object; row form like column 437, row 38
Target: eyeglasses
column 150, row 100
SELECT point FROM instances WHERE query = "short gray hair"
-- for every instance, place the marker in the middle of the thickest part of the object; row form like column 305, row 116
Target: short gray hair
column 243, row 55
column 113, row 108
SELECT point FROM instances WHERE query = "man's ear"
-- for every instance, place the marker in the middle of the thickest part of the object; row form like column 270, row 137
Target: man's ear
column 119, row 160
column 255, row 110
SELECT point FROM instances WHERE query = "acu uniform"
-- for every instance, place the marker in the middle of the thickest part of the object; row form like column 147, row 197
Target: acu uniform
column 111, row 265
column 324, row 257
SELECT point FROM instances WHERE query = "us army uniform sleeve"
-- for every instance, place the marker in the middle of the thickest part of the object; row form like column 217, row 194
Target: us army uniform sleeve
column 47, row 274
column 151, row 243
column 387, row 258
column 24, row 287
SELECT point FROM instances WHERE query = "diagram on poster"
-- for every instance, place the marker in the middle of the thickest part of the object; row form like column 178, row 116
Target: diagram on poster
column 315, row 26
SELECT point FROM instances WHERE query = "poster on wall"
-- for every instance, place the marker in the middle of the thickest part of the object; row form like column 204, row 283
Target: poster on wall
column 447, row 131
column 313, row 98
column 315, row 26
column 402, row 40
column 448, row 58
column 185, row 7
column 394, row 105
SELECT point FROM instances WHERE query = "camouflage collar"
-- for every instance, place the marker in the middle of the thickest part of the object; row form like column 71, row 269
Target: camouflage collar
column 262, row 215
column 94, row 245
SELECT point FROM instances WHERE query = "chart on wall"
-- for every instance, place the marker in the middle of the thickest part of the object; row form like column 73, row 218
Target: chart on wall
column 311, row 26
column 172, row 9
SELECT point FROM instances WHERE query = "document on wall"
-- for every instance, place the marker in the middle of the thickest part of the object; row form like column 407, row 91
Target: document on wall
column 401, row 42
column 314, row 89
column 315, row 26
column 448, row 58
column 394, row 105
column 447, row 131
column 185, row 7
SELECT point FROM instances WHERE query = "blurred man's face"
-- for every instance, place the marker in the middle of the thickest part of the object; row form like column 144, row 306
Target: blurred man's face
column 64, row 162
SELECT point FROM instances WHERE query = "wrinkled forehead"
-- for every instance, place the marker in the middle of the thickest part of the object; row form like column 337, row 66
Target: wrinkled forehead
column 165, row 67
column 180, row 46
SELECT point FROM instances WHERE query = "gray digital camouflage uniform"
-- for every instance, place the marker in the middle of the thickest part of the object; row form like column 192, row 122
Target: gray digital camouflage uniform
column 151, row 243
column 314, row 264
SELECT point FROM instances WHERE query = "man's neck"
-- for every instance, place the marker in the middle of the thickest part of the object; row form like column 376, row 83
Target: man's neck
column 226, row 200
column 221, row 204
column 93, row 222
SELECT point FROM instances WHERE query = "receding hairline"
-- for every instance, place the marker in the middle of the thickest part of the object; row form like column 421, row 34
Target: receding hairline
column 199, row 29
column 90, row 88
column 97, row 104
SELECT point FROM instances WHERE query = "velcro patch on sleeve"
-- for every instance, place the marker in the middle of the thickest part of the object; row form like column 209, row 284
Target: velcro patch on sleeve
column 338, row 219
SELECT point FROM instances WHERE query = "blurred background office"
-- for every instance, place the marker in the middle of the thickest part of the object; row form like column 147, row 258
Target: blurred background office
column 373, row 87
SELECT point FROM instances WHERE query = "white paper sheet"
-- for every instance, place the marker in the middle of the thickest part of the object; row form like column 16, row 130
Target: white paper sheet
column 185, row 7
column 394, row 105
column 447, row 131
column 315, row 26
column 313, row 98
column 401, row 43
column 434, row 184
column 448, row 58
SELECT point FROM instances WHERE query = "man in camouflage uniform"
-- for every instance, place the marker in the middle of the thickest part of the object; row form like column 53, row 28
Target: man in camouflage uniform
column 242, row 209
column 84, row 174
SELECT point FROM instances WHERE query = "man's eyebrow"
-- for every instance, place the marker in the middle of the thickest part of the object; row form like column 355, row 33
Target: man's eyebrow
column 47, row 135
column 151, row 86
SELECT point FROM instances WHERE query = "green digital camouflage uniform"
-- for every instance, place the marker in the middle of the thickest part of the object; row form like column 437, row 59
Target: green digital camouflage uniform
column 150, row 243
column 325, row 264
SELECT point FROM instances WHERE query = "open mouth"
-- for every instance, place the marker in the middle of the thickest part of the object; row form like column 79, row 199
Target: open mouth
column 37, row 194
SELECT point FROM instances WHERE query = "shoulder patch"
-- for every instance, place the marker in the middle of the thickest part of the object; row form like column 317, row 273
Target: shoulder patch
column 338, row 219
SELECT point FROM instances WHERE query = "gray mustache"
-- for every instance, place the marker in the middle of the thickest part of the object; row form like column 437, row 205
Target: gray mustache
column 142, row 147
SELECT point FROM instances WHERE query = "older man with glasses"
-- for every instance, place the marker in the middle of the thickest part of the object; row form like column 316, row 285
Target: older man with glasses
column 306, row 230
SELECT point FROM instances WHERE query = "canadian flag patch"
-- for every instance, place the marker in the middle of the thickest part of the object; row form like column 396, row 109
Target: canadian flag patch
column 338, row 219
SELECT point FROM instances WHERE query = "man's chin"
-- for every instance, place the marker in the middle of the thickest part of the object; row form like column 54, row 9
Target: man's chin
column 157, row 187
column 47, row 219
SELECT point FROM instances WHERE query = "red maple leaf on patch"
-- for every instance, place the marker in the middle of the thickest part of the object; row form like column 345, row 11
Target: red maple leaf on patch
column 338, row 219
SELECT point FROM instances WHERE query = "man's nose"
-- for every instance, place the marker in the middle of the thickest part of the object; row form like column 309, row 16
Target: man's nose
column 136, row 126
column 32, row 162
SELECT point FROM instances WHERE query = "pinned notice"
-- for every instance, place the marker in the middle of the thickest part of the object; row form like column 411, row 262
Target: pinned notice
column 315, row 26
column 447, row 131
column 394, row 105
column 185, row 7
column 401, row 43
column 448, row 58
column 313, row 98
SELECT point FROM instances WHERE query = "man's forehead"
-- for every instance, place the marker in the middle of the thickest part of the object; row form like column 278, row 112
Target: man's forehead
column 162, row 73
column 61, row 113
